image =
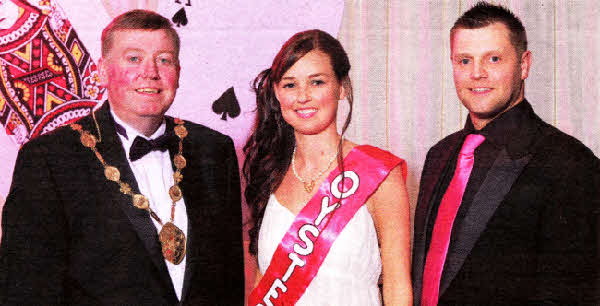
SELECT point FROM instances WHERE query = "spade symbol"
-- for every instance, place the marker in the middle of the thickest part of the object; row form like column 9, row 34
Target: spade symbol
column 180, row 17
column 227, row 104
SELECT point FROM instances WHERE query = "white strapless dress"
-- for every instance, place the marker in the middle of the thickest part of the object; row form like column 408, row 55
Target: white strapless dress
column 350, row 272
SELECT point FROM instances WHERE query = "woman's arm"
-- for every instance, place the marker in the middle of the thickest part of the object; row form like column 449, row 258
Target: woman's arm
column 256, row 282
column 258, row 277
column 391, row 214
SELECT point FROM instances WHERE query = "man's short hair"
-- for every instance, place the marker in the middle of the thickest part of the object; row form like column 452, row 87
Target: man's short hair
column 138, row 20
column 483, row 14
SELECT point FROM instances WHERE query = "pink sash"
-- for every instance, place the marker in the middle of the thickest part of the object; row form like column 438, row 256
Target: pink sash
column 308, row 240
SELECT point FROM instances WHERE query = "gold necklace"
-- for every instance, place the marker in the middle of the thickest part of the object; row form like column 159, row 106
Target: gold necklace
column 172, row 239
column 309, row 183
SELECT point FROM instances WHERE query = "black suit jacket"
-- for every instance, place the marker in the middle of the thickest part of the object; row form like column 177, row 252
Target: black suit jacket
column 70, row 237
column 530, row 236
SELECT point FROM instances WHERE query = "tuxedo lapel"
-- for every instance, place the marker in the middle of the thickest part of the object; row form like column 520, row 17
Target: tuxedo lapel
column 498, row 182
column 190, row 180
column 112, row 151
column 193, row 253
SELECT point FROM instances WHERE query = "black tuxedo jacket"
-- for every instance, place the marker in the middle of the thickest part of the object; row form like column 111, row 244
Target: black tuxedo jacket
column 530, row 235
column 71, row 237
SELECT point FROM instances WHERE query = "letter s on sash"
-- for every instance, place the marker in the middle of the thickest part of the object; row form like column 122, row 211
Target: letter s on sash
column 302, row 235
column 338, row 179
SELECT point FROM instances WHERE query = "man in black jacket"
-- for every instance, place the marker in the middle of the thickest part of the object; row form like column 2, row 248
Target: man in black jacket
column 127, row 206
column 523, row 227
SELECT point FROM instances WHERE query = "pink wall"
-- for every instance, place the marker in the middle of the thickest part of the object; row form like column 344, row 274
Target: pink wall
column 223, row 46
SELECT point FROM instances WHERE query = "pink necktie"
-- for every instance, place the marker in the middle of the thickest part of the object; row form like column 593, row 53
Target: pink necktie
column 440, row 238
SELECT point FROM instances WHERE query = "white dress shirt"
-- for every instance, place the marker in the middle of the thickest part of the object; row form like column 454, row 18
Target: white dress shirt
column 154, row 175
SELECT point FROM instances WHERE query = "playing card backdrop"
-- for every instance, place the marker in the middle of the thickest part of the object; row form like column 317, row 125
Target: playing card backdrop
column 47, row 57
column 226, row 45
column 48, row 72
column 47, row 77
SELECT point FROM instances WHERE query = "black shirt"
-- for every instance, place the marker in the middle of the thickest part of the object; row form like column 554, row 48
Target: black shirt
column 499, row 134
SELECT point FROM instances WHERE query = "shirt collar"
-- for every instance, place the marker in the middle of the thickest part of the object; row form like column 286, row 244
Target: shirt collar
column 132, row 133
column 513, row 130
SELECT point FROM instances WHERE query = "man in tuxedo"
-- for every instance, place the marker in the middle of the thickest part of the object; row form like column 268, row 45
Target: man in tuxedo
column 127, row 206
column 507, row 211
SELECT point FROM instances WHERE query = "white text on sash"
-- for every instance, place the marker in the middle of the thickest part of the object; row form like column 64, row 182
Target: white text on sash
column 312, row 228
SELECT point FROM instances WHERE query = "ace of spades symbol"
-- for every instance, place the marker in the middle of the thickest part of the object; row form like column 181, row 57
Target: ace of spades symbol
column 227, row 104
column 180, row 18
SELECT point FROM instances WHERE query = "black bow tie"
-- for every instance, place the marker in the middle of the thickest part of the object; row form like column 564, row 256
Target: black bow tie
column 141, row 146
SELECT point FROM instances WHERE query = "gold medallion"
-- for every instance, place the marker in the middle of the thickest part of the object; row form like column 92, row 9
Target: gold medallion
column 88, row 140
column 140, row 201
column 175, row 193
column 179, row 161
column 112, row 173
column 181, row 131
column 172, row 240
column 309, row 185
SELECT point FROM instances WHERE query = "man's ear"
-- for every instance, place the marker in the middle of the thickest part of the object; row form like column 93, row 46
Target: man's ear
column 526, row 59
column 102, row 72
column 178, row 74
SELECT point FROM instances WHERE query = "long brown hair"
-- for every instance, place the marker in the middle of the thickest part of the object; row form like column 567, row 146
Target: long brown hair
column 269, row 148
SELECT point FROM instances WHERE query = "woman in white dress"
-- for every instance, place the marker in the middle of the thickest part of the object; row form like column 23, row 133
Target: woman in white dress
column 294, row 146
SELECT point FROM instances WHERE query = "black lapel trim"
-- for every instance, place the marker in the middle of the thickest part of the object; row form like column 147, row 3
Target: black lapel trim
column 498, row 182
column 112, row 151
column 190, row 204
